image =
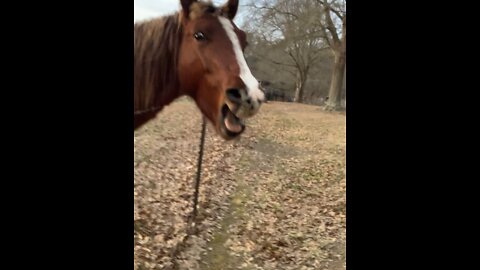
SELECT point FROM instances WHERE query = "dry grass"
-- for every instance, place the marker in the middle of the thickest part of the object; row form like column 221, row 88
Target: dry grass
column 275, row 199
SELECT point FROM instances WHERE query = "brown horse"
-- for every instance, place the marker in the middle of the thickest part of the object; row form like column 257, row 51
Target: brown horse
column 197, row 52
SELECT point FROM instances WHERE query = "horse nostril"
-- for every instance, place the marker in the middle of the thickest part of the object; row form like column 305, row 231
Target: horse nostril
column 234, row 95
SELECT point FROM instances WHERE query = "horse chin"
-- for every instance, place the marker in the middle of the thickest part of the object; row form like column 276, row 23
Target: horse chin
column 229, row 125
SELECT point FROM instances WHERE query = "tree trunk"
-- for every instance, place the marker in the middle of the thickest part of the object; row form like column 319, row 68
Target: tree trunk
column 336, row 86
column 299, row 87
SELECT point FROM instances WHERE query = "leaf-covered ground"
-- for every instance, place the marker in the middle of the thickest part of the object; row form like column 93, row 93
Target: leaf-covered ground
column 274, row 199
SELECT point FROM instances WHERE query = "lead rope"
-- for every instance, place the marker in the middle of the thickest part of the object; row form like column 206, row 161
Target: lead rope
column 199, row 172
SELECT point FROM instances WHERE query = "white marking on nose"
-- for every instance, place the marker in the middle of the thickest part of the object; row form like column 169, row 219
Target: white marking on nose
column 245, row 73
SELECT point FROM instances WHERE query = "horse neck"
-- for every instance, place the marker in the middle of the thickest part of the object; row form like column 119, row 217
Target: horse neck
column 156, row 48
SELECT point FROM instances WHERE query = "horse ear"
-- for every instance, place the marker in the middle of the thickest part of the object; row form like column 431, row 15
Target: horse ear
column 186, row 6
column 230, row 9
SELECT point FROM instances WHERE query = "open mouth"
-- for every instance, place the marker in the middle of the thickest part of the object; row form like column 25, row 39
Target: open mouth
column 231, row 125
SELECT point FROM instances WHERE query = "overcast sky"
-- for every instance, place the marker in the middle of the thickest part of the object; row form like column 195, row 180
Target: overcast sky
column 147, row 9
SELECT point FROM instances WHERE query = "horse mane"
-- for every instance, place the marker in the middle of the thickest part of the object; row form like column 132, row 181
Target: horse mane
column 156, row 49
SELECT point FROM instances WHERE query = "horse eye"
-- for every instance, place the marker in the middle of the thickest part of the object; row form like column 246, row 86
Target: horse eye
column 199, row 36
column 211, row 9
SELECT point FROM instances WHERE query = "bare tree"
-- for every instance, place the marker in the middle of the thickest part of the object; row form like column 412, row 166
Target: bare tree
column 333, row 24
column 290, row 27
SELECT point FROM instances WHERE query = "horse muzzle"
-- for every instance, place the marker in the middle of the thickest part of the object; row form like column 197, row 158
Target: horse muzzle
column 238, row 106
column 241, row 103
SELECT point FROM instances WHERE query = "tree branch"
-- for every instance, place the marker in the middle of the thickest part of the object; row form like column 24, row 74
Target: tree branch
column 337, row 13
column 276, row 62
column 327, row 38
column 331, row 27
column 272, row 9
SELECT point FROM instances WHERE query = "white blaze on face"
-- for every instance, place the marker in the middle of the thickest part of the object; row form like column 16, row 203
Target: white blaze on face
column 251, row 83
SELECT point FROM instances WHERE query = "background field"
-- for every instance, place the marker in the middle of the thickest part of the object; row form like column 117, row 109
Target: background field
column 274, row 199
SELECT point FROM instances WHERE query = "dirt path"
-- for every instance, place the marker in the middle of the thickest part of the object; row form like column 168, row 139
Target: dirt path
column 275, row 199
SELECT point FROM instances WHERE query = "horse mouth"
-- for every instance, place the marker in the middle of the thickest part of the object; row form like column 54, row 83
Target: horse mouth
column 230, row 125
